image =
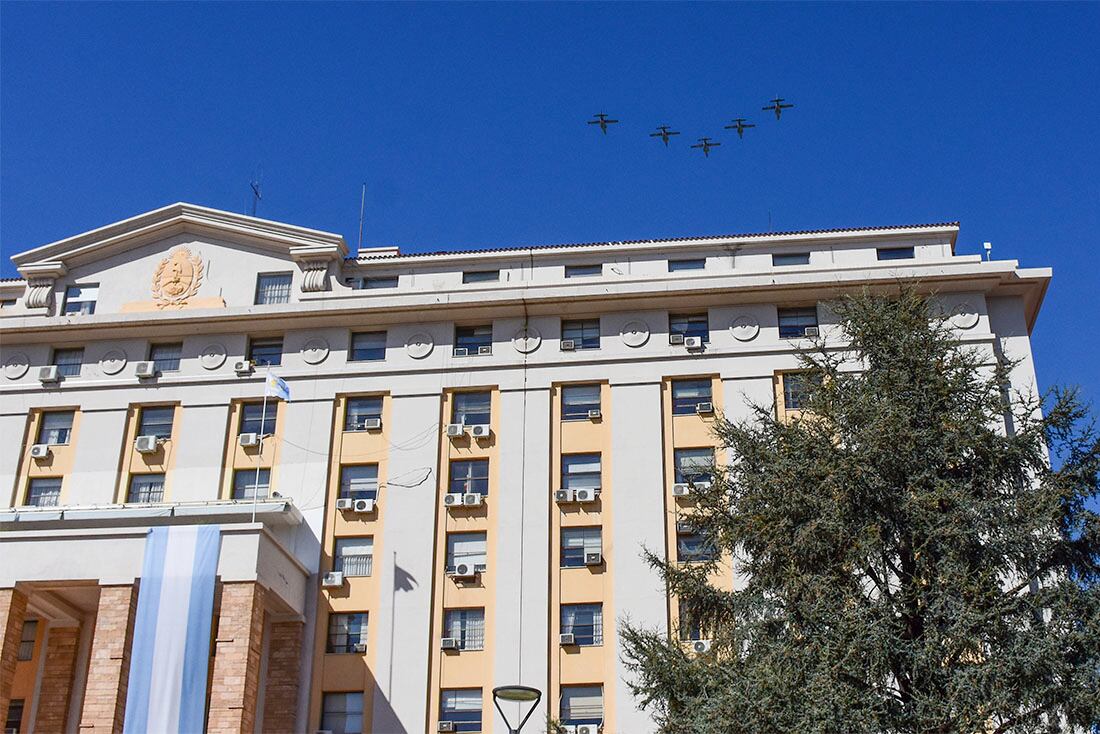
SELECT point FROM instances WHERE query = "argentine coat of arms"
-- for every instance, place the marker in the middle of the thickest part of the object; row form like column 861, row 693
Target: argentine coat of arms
column 177, row 278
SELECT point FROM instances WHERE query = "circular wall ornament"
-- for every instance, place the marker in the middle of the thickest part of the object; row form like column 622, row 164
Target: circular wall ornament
column 634, row 333
column 212, row 356
column 527, row 340
column 112, row 362
column 315, row 351
column 16, row 365
column 745, row 328
column 419, row 345
column 964, row 316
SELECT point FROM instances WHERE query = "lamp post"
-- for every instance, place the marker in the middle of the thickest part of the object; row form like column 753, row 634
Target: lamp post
column 516, row 694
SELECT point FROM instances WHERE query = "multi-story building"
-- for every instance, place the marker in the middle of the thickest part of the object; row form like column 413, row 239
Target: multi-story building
column 476, row 450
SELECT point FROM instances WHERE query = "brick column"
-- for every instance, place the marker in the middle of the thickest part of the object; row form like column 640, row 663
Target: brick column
column 13, row 611
column 284, row 664
column 55, row 690
column 238, row 648
column 109, row 666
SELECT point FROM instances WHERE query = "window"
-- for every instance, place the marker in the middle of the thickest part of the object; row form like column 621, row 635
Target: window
column 44, row 492
column 13, row 720
column 80, row 299
column 687, row 394
column 581, row 705
column 467, row 626
column 156, row 421
column 695, row 263
column 470, row 476
column 68, row 361
column 266, row 352
column 584, row 333
column 480, row 276
column 379, row 281
column 790, row 258
column 690, row 627
column 694, row 547
column 580, row 471
column 359, row 482
column 461, row 707
column 354, row 556
column 342, row 713
column 255, row 420
column 7, row 302
column 795, row 389
column 359, row 411
column 166, row 357
column 472, row 408
column 694, row 465
column 55, row 427
column 249, row 484
column 474, row 339
column 147, row 488
column 793, row 322
column 583, row 271
column 273, row 288
column 575, row 542
column 690, row 325
column 26, row 639
column 466, row 548
column 577, row 400
column 367, row 346
column 584, row 622
column 347, row 633
column 895, row 253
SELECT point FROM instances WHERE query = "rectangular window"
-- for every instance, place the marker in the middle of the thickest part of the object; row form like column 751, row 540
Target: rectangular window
column 247, row 486
column 790, row 258
column 7, row 302
column 795, row 389
column 146, row 488
column 379, row 282
column 368, row 346
column 255, row 420
column 687, row 394
column 69, row 361
column 473, row 340
column 13, row 720
column 584, row 622
column 342, row 713
column 354, row 556
column 583, row 271
column 166, row 357
column 55, row 427
column 584, row 333
column 577, row 400
column 472, row 408
column 467, row 626
column 156, row 421
column 466, row 548
column 694, row 263
column 359, row 482
column 44, row 492
column 694, row 465
column 80, row 299
column 895, row 253
column 575, row 542
column 347, row 633
column 26, row 639
column 272, row 288
column 359, row 411
column 690, row 325
column 694, row 548
column 266, row 352
column 480, row 276
column 581, row 705
column 470, row 476
column 793, row 322
column 690, row 628
column 580, row 471
column 461, row 707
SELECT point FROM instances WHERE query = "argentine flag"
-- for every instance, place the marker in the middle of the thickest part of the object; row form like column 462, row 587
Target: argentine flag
column 276, row 387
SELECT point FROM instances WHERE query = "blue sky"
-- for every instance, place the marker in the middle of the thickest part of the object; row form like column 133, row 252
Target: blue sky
column 467, row 123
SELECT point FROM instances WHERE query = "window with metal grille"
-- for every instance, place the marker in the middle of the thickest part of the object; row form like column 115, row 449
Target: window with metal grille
column 250, row 484
column 576, row 542
column 368, row 346
column 342, row 713
column 266, row 352
column 466, row 548
column 472, row 408
column 696, row 324
column 359, row 411
column 156, row 421
column 581, row 705
column 583, row 271
column 577, row 400
column 790, row 258
column 273, row 288
column 347, row 633
column 80, row 299
column 580, row 471
column 693, row 263
column 26, row 639
column 467, row 626
column 584, row 333
column 55, row 427
column 13, row 720
column 146, row 488
column 694, row 465
column 793, row 322
column 584, row 622
column 255, row 420
column 44, row 492
column 69, row 361
column 687, row 394
column 480, row 276
column 694, row 548
column 359, row 482
column 461, row 707
column 166, row 357
column 354, row 556
column 895, row 253
column 474, row 339
column 470, row 476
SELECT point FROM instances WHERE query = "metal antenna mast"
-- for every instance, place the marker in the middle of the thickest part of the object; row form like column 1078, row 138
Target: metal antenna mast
column 255, row 184
column 362, row 206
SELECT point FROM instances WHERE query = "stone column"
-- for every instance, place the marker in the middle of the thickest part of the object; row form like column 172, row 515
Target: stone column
column 284, row 662
column 13, row 612
column 109, row 667
column 55, row 689
column 237, row 653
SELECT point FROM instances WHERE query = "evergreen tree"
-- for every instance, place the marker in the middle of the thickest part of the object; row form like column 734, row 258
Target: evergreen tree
column 916, row 553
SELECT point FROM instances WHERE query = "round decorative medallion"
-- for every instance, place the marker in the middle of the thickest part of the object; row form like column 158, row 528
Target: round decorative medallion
column 634, row 333
column 745, row 328
column 315, row 351
column 112, row 362
column 212, row 356
column 964, row 316
column 527, row 340
column 16, row 365
column 419, row 345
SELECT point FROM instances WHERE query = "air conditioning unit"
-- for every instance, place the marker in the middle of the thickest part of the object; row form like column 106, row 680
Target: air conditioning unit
column 145, row 369
column 464, row 571
column 480, row 431
column 471, row 499
column 683, row 526
column 40, row 451
column 811, row 331
column 461, row 352
column 48, row 374
column 450, row 643
column 568, row 345
column 455, row 430
column 586, row 729
column 681, row 490
column 675, row 338
column 452, row 499
column 344, row 503
column 248, row 440
column 372, row 424
column 704, row 408
column 702, row 485
column 359, row 647
column 594, row 414
column 243, row 367
column 362, row 505
column 567, row 638
column 585, row 495
column 332, row 580
column 446, row 726
column 485, row 349
column 693, row 342
column 700, row 646
column 593, row 558
column 146, row 444
column 563, row 495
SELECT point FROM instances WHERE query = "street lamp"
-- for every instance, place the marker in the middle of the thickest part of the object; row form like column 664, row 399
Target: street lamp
column 516, row 694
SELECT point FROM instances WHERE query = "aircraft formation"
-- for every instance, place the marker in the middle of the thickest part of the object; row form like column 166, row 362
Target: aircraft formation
column 705, row 144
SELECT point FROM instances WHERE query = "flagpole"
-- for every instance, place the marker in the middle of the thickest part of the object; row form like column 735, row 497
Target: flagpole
column 259, row 454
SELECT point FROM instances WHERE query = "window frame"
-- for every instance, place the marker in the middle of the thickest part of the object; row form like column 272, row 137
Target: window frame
column 358, row 427
column 43, row 438
column 789, row 383
column 472, row 482
column 570, row 412
column 583, row 338
column 480, row 276
column 686, row 264
column 341, row 726
column 688, row 324
column 263, row 421
column 460, row 415
column 588, row 716
column 795, row 316
column 68, row 368
column 341, row 639
column 375, row 350
column 250, row 475
column 260, row 286
column 569, row 477
column 83, row 302
column 372, row 282
column 360, row 568
column 163, row 364
column 590, row 634
column 584, row 270
column 464, row 722
column 688, row 405
column 471, row 637
column 345, row 490
column 472, row 338
column 572, row 556
column 136, row 479
column 892, row 253
column 790, row 259
column 694, row 547
column 265, row 343
column 143, row 412
column 25, row 641
column 452, row 558
column 53, row 493
column 686, row 452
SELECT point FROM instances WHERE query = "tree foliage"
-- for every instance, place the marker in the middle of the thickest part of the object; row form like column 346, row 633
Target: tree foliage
column 916, row 554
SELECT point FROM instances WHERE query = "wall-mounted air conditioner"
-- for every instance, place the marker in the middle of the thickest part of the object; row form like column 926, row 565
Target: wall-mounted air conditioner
column 372, row 424
column 243, row 367
column 363, row 506
column 450, row 643
column 563, row 495
column 480, row 431
column 344, row 503
column 146, row 444
column 593, row 558
column 704, row 408
column 681, row 490
column 461, row 352
column 702, row 485
column 455, row 430
column 446, row 726
column 586, row 495
column 594, row 414
column 48, row 374
column 567, row 638
column 145, row 369
column 464, row 571
column 248, row 440
column 675, row 338
column 700, row 646
column 484, row 349
column 693, row 342
column 452, row 499
column 332, row 580
column 40, row 451
column 568, row 345
column 471, row 499
column 811, row 331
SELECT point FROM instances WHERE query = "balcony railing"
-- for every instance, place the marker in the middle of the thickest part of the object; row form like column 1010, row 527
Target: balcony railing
column 355, row 565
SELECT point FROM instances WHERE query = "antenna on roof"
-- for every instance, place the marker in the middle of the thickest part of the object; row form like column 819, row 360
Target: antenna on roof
column 988, row 249
column 255, row 184
column 362, row 206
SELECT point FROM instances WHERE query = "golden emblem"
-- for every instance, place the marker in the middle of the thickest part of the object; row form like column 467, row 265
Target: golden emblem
column 178, row 277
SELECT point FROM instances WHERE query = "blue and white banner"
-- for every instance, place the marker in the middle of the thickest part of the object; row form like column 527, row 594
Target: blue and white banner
column 171, row 649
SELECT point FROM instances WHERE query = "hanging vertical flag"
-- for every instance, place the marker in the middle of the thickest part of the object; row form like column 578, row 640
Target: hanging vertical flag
column 171, row 649
column 276, row 387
